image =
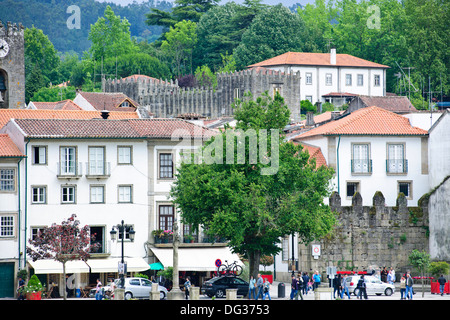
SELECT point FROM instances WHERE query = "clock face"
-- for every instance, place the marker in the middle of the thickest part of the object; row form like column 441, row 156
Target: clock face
column 4, row 48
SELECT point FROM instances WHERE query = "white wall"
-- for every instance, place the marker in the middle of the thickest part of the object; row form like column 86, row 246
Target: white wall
column 439, row 150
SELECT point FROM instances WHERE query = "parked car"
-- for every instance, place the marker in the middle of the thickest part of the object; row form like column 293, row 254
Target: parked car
column 373, row 285
column 217, row 286
column 137, row 288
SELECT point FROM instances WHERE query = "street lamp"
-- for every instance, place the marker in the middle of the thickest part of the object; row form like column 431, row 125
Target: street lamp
column 122, row 228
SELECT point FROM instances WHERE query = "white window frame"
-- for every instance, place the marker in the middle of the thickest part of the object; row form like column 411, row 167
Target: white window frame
column 124, row 155
column 41, row 155
column 96, row 160
column 360, row 80
column 125, row 194
column 308, row 78
column 361, row 158
column 7, row 226
column 97, row 194
column 376, row 80
column 68, row 157
column 40, row 192
column 328, row 79
column 348, row 79
column 7, row 179
column 70, row 197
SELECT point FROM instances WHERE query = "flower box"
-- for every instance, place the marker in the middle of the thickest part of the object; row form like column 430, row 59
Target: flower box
column 34, row 295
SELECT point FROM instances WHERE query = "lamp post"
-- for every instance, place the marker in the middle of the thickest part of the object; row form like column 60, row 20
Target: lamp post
column 122, row 228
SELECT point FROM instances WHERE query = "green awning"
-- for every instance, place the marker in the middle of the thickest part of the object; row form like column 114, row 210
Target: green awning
column 156, row 266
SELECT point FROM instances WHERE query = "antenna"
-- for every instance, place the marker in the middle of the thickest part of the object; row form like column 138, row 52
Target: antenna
column 409, row 79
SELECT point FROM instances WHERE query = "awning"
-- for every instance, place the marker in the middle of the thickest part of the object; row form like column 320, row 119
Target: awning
column 196, row 259
column 112, row 264
column 91, row 265
column 156, row 266
column 53, row 266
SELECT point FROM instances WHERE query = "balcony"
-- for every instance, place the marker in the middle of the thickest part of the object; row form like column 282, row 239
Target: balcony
column 363, row 166
column 396, row 166
column 69, row 171
column 98, row 172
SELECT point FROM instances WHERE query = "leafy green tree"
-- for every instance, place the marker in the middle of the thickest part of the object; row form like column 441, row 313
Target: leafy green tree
column 421, row 261
column 54, row 94
column 205, row 77
column 110, row 37
column 179, row 45
column 136, row 63
column 272, row 32
column 41, row 61
column 254, row 203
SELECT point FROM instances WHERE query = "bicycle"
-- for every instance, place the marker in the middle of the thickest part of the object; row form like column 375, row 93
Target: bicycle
column 230, row 269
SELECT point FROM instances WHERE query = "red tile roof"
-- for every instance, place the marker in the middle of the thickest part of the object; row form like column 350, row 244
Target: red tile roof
column 8, row 149
column 316, row 59
column 367, row 121
column 101, row 128
column 111, row 101
column 315, row 153
column 7, row 114
column 391, row 103
column 60, row 105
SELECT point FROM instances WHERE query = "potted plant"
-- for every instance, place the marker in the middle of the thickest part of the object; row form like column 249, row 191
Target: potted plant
column 188, row 238
column 33, row 289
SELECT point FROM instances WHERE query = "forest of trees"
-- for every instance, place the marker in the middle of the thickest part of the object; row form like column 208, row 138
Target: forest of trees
column 193, row 39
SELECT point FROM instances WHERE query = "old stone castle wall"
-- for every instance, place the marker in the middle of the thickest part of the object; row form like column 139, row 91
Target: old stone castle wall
column 370, row 237
column 167, row 99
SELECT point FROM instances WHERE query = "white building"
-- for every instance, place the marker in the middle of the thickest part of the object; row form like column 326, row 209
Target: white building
column 102, row 170
column 331, row 77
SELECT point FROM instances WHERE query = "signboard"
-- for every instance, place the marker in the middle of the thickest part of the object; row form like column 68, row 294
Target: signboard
column 122, row 269
column 218, row 263
column 316, row 250
column 331, row 272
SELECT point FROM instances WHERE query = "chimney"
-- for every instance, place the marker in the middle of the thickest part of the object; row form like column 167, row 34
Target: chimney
column 309, row 118
column 105, row 114
column 333, row 56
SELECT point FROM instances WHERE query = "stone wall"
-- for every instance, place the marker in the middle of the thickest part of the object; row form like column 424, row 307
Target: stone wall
column 167, row 99
column 439, row 208
column 370, row 237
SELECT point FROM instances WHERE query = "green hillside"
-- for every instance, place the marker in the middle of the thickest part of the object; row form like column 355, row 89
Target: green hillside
column 51, row 17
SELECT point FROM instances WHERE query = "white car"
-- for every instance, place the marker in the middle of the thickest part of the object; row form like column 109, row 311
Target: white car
column 136, row 288
column 373, row 285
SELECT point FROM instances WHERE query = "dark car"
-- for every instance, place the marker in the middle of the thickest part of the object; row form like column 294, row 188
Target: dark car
column 217, row 286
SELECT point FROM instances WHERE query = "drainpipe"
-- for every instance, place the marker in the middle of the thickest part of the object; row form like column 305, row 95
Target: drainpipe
column 26, row 204
column 18, row 206
column 339, row 184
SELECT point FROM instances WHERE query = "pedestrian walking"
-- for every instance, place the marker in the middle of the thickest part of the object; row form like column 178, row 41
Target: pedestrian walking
column 305, row 279
column 344, row 286
column 337, row 286
column 442, row 282
column 98, row 290
column 20, row 295
column 409, row 286
column 384, row 274
column 187, row 287
column 266, row 288
column 402, row 288
column 252, row 288
column 259, row 287
column 294, row 286
column 316, row 279
column 299, row 287
column 362, row 288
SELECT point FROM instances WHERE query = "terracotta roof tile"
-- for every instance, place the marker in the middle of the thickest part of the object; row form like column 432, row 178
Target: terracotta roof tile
column 8, row 149
column 7, row 114
column 60, row 105
column 316, row 153
column 101, row 128
column 367, row 121
column 391, row 103
column 111, row 101
column 316, row 59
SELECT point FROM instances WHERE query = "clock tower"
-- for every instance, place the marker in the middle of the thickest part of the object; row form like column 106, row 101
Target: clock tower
column 12, row 66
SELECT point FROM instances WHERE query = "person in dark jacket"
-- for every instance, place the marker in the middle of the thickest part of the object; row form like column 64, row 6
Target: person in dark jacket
column 442, row 282
column 362, row 288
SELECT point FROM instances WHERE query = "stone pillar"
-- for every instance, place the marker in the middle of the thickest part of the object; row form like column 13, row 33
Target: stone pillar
column 194, row 293
column 154, row 294
column 231, row 294
column 175, row 293
column 119, row 294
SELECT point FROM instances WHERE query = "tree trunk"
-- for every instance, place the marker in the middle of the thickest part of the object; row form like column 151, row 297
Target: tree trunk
column 253, row 262
column 65, row 281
